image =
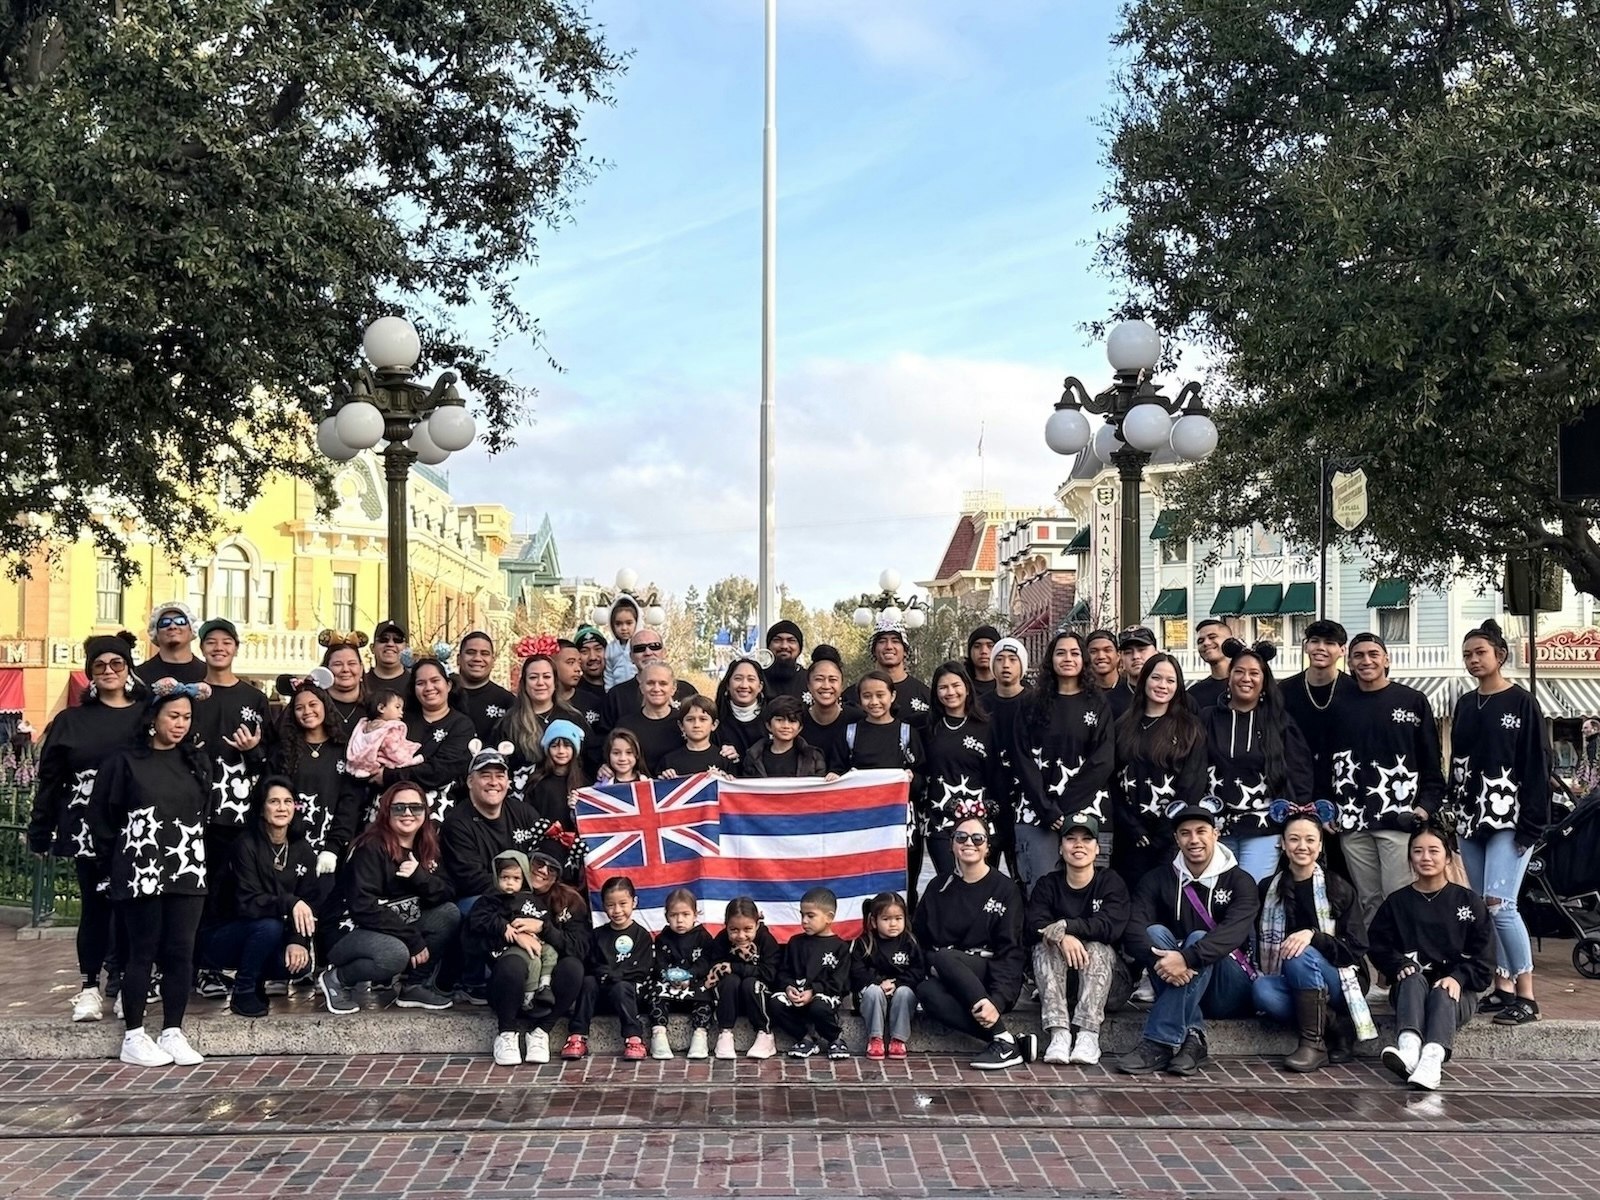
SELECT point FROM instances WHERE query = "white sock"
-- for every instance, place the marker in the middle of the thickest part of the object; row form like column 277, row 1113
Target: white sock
column 1004, row 1037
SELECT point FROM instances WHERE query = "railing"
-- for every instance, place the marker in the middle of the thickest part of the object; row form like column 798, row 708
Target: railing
column 269, row 652
column 48, row 887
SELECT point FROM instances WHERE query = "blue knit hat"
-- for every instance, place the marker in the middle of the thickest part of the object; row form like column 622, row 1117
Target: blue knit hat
column 564, row 730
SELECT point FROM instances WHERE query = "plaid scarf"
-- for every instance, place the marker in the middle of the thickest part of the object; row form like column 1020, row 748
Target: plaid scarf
column 1269, row 948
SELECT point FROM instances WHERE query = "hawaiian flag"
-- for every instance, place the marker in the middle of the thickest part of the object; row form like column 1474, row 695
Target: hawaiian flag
column 769, row 839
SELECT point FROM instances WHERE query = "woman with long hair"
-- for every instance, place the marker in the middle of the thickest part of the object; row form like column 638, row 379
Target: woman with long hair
column 148, row 816
column 1161, row 760
column 534, row 708
column 1256, row 755
column 1065, row 755
column 76, row 745
column 741, row 696
column 309, row 750
column 397, row 899
column 445, row 735
column 962, row 771
column 347, row 693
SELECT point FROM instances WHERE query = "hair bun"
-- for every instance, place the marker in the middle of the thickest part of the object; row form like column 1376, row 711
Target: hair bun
column 1492, row 626
column 1232, row 647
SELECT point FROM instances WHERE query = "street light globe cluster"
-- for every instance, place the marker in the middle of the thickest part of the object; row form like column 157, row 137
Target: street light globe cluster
column 627, row 581
column 889, row 583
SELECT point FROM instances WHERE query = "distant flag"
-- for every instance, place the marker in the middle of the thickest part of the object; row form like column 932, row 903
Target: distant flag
column 980, row 439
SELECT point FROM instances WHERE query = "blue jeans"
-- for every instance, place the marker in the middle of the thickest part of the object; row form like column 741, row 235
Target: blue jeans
column 255, row 948
column 1495, row 869
column 1257, row 853
column 1218, row 991
column 1306, row 972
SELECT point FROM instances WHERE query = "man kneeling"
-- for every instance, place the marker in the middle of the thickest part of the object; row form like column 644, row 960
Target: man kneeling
column 1190, row 922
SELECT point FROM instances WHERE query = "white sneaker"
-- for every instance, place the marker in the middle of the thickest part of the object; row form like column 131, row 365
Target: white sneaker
column 697, row 1045
column 1145, row 993
column 1086, row 1048
column 1059, row 1050
column 725, row 1045
column 763, row 1047
column 538, row 1047
column 660, row 1047
column 140, row 1051
column 1403, row 1056
column 175, row 1044
column 87, row 1005
column 116, row 1009
column 507, row 1050
column 1430, row 1066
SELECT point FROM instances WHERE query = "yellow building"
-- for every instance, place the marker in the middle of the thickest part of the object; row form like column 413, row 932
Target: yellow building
column 283, row 574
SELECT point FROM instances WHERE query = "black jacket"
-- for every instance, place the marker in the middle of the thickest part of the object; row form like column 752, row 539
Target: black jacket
column 1231, row 896
column 260, row 889
column 371, row 888
column 808, row 763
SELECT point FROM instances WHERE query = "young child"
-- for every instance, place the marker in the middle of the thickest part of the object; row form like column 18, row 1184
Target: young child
column 624, row 758
column 886, row 965
column 621, row 958
column 744, row 968
column 624, row 620
column 697, row 718
column 813, row 979
column 683, row 963
column 882, row 740
column 489, row 933
column 782, row 753
column 380, row 741
column 560, row 773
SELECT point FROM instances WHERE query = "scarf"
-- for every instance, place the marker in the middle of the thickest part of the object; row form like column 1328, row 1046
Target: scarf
column 1269, row 948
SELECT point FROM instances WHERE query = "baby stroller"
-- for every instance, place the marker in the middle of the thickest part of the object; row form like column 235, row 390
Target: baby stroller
column 1561, row 891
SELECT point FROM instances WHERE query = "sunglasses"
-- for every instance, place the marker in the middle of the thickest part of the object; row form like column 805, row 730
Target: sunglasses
column 404, row 809
column 391, row 640
column 170, row 621
column 977, row 839
column 646, row 647
column 109, row 666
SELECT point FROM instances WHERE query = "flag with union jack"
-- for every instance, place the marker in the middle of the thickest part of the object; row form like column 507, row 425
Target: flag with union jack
column 769, row 839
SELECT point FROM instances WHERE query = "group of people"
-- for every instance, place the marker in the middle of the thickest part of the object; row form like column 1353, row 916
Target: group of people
column 1242, row 844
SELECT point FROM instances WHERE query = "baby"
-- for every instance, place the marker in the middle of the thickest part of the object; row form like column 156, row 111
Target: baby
column 380, row 741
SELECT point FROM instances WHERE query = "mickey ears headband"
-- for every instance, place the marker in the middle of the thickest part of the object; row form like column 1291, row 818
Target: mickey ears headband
column 317, row 677
column 1281, row 811
column 329, row 638
column 161, row 689
column 1206, row 804
column 1265, row 651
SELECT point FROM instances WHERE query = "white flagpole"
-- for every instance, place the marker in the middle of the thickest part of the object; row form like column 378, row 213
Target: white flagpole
column 767, row 594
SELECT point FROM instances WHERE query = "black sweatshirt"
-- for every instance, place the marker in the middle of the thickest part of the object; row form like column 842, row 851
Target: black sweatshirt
column 625, row 697
column 785, row 679
column 895, row 745
column 1446, row 934
column 1097, row 912
column 1311, row 707
column 259, row 888
column 1005, row 714
column 1205, row 694
column 897, row 958
column 329, row 800
column 961, row 769
column 625, row 955
column 1499, row 771
column 913, row 702
column 819, row 963
column 1385, row 757
column 370, row 887
column 1231, row 896
column 446, row 753
column 469, row 841
column 234, row 773
column 684, row 762
column 589, row 703
column 762, row 966
column 1237, row 767
column 76, row 744
column 1346, row 946
column 152, row 669
column 1147, row 789
column 683, row 960
column 148, row 816
column 983, row 916
column 485, row 706
column 829, row 739
column 658, row 737
column 1066, row 752
column 550, row 798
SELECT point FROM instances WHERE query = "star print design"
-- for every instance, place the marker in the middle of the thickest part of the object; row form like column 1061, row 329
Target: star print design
column 830, row 959
column 314, row 815
column 1222, row 896
column 1511, row 721
column 995, row 907
column 139, row 834
column 190, row 853
column 1497, row 800
column 1458, row 769
column 231, row 788
column 249, row 716
column 1059, row 787
column 299, row 870
column 959, row 796
column 1464, row 913
column 1395, row 789
column 439, row 735
column 919, row 705
column 1161, row 795
column 1090, row 718
column 493, row 711
column 440, row 802
column 1253, row 797
column 976, row 745
column 900, row 958
column 82, row 789
column 146, row 878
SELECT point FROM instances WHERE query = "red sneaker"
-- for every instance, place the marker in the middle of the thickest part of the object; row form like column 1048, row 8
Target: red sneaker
column 577, row 1046
column 874, row 1047
column 897, row 1048
column 633, row 1048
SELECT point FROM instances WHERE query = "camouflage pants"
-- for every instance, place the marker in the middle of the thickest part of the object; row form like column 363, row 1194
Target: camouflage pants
column 1102, row 986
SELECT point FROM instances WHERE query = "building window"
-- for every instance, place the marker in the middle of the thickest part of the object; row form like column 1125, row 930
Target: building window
column 1394, row 625
column 266, row 604
column 1264, row 543
column 1174, row 632
column 1298, row 624
column 1174, row 552
column 231, row 598
column 1268, row 629
column 197, row 592
column 344, row 602
column 107, row 592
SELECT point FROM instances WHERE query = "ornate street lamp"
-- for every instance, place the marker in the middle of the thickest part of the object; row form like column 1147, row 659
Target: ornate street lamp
column 1139, row 420
column 381, row 402
column 886, row 604
column 627, row 584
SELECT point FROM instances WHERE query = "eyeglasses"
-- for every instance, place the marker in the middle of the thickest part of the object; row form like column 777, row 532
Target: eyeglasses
column 172, row 620
column 977, row 839
column 404, row 809
column 645, row 647
column 109, row 666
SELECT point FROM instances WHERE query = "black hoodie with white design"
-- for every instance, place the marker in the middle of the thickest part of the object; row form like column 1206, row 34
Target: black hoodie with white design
column 1237, row 767
column 1499, row 770
column 1065, row 758
column 1384, row 751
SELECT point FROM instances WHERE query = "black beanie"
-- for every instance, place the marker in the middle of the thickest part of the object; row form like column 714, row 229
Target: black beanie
column 788, row 627
column 120, row 644
column 982, row 633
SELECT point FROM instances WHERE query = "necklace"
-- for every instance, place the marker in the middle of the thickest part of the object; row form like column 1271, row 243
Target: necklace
column 1146, row 722
column 280, row 857
column 1311, row 696
column 1428, row 896
column 315, row 748
column 956, row 726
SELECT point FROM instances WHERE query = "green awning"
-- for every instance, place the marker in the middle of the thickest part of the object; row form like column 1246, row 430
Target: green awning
column 1079, row 613
column 1390, row 593
column 1162, row 529
column 1172, row 602
column 1080, row 542
column 1263, row 600
column 1299, row 600
column 1229, row 601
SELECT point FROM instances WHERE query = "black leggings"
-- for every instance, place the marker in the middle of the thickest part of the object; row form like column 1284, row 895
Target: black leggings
column 100, row 937
column 509, row 980
column 956, row 983
column 160, row 929
column 738, row 997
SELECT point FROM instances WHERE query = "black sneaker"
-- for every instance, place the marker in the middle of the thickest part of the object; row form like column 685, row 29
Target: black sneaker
column 1191, row 1056
column 422, row 995
column 1518, row 1012
column 1145, row 1059
column 804, row 1048
column 213, row 985
column 838, row 1049
column 1028, row 1047
column 248, row 1003
column 338, row 998
column 1496, row 1002
column 475, row 994
column 997, row 1056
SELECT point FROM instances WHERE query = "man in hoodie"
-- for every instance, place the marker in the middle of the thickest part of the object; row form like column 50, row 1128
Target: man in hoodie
column 1190, row 922
column 784, row 677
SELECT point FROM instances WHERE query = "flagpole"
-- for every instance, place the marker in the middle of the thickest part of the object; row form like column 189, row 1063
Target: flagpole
column 767, row 599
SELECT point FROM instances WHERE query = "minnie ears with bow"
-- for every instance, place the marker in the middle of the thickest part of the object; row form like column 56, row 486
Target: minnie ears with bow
column 1320, row 811
column 329, row 638
column 1265, row 651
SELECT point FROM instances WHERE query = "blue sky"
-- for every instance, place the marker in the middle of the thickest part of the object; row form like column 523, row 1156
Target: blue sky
column 939, row 164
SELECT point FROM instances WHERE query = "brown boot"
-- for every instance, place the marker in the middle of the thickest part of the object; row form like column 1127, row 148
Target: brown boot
column 1311, row 1011
column 1341, row 1036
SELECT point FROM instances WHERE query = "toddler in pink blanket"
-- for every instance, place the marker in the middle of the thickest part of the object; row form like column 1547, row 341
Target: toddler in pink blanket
column 380, row 741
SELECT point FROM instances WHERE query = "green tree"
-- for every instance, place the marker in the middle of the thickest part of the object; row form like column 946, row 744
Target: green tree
column 201, row 205
column 730, row 603
column 1378, row 219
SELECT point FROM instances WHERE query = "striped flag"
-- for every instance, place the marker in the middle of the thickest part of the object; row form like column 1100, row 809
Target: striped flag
column 769, row 839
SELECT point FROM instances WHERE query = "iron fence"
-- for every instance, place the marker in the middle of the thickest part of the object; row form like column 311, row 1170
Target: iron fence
column 47, row 887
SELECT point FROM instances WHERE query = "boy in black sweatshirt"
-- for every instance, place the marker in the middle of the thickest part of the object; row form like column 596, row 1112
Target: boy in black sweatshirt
column 621, row 964
column 813, row 979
